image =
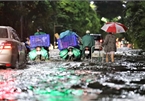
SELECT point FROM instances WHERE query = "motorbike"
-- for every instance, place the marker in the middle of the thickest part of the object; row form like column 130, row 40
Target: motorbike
column 39, row 53
column 70, row 54
column 40, row 44
column 87, row 52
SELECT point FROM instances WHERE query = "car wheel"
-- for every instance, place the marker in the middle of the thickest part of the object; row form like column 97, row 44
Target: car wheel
column 24, row 65
column 17, row 64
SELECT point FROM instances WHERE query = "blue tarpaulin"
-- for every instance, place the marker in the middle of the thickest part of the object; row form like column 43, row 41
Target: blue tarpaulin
column 40, row 40
column 66, row 41
column 67, row 32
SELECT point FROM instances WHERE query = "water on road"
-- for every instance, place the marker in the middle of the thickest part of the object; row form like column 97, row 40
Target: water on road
column 58, row 80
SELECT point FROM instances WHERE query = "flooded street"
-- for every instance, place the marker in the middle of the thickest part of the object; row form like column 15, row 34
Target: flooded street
column 58, row 80
column 72, row 50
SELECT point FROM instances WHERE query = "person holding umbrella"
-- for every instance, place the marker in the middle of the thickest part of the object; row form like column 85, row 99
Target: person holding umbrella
column 110, row 46
column 110, row 39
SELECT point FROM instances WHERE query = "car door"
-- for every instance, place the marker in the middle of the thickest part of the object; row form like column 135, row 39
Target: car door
column 20, row 47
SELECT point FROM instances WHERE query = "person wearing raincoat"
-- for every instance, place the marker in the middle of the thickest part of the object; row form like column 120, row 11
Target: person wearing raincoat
column 39, row 31
column 87, row 40
column 42, row 50
column 75, row 47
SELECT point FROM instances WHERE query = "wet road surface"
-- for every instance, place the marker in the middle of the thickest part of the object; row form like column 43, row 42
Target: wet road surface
column 58, row 80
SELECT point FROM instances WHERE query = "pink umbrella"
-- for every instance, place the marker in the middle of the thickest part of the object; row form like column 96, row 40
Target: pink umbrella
column 114, row 27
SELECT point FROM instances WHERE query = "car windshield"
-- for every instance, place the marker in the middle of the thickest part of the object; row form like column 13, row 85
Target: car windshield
column 96, row 36
column 3, row 33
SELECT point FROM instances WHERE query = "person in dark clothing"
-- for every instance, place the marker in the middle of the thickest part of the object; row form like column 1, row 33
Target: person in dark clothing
column 110, row 46
column 87, row 41
column 27, row 44
column 39, row 31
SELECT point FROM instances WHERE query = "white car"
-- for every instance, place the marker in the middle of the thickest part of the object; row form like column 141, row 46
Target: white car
column 13, row 52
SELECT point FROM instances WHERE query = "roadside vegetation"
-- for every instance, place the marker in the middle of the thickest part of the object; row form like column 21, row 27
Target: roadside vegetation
column 26, row 16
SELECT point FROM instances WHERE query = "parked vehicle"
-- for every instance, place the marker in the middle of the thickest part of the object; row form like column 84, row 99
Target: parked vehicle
column 13, row 52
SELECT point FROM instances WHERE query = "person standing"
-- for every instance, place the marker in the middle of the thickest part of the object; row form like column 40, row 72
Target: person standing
column 110, row 46
column 87, row 41
column 118, row 43
column 123, row 42
column 27, row 44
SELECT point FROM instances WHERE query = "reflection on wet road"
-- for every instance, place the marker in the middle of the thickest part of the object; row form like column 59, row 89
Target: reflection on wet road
column 123, row 80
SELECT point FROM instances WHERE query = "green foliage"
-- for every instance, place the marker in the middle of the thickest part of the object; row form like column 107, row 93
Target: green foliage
column 29, row 15
column 135, row 20
column 78, row 15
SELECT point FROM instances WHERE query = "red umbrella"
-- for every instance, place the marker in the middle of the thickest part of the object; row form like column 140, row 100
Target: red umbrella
column 114, row 27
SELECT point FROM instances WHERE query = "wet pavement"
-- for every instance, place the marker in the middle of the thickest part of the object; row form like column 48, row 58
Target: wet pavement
column 58, row 80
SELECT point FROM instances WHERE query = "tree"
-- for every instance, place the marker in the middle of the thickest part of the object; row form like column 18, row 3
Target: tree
column 76, row 15
column 34, row 13
column 135, row 20
column 110, row 11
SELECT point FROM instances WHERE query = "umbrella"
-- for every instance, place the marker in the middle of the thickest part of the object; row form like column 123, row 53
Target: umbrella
column 114, row 27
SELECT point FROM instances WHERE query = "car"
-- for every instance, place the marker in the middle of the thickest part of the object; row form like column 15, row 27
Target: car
column 97, row 50
column 98, row 41
column 13, row 52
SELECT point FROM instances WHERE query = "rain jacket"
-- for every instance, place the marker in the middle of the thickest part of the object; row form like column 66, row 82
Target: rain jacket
column 109, row 43
column 32, row 54
column 64, row 53
column 67, row 32
column 87, row 40
column 39, row 33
